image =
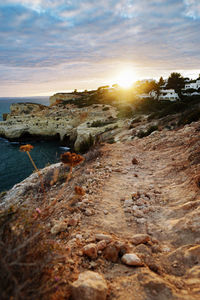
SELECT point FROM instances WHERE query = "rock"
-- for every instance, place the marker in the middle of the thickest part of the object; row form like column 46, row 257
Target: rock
column 59, row 226
column 90, row 250
column 140, row 239
column 89, row 286
column 111, row 252
column 62, row 97
column 134, row 161
column 128, row 202
column 138, row 213
column 68, row 122
column 136, row 196
column 105, row 237
column 122, row 247
column 89, row 212
column 101, row 245
column 131, row 259
column 73, row 221
column 141, row 221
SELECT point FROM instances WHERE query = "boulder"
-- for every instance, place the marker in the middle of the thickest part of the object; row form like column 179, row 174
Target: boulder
column 140, row 239
column 131, row 259
column 89, row 286
column 90, row 250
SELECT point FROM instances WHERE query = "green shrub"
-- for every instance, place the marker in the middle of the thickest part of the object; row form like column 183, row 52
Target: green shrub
column 151, row 129
column 106, row 108
column 125, row 112
column 111, row 140
column 99, row 123
column 189, row 117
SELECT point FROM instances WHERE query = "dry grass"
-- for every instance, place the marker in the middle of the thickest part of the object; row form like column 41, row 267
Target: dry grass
column 31, row 261
column 26, row 257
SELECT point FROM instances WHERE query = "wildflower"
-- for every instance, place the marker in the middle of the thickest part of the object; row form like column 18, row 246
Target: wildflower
column 79, row 190
column 71, row 159
column 38, row 211
column 26, row 148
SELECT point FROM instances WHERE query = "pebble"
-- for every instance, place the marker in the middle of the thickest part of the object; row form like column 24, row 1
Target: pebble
column 131, row 259
column 140, row 239
column 59, row 226
column 141, row 221
column 73, row 221
column 101, row 245
column 89, row 286
column 128, row 202
column 89, row 212
column 138, row 213
column 105, row 237
column 90, row 250
column 111, row 252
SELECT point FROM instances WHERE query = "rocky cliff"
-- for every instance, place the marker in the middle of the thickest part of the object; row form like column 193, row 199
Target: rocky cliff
column 68, row 123
column 63, row 97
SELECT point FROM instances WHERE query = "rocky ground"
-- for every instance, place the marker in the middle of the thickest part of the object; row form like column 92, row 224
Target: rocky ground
column 135, row 232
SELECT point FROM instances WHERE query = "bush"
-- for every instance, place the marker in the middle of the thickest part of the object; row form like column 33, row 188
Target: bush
column 99, row 123
column 26, row 257
column 111, row 140
column 189, row 117
column 125, row 112
column 151, row 129
column 106, row 108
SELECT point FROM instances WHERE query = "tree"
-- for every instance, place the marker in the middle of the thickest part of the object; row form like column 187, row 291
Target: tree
column 176, row 82
column 161, row 81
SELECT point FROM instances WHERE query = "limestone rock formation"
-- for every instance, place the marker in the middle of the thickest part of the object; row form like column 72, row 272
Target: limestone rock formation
column 70, row 124
column 63, row 97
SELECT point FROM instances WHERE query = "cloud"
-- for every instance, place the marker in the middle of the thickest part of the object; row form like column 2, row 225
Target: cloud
column 43, row 37
column 192, row 8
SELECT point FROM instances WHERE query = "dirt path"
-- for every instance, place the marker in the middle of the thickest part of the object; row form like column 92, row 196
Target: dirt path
column 157, row 196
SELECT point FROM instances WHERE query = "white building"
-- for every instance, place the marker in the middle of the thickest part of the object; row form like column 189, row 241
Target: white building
column 141, row 96
column 192, row 85
column 168, row 94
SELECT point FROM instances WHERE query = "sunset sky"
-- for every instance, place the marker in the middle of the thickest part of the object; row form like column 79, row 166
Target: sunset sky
column 49, row 46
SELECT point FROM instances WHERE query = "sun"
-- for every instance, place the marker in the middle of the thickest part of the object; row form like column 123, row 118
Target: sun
column 126, row 78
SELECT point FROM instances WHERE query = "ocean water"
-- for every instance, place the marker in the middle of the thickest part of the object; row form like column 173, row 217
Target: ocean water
column 15, row 165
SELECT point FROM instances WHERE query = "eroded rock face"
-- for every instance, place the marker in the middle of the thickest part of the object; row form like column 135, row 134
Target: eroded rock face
column 89, row 286
column 63, row 96
column 69, row 123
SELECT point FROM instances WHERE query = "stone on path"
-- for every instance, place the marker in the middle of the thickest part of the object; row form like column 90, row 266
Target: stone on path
column 89, row 286
column 131, row 259
column 140, row 239
column 105, row 237
column 90, row 250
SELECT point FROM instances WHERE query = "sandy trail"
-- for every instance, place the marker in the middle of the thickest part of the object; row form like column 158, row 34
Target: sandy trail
column 158, row 196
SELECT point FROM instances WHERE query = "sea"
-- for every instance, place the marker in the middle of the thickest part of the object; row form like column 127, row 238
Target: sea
column 15, row 165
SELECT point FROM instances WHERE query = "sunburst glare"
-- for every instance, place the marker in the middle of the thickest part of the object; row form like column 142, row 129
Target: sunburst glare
column 126, row 78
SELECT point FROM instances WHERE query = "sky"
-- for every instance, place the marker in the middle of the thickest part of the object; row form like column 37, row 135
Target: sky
column 49, row 46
